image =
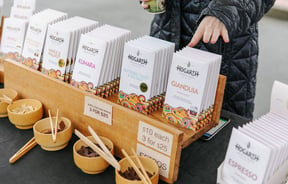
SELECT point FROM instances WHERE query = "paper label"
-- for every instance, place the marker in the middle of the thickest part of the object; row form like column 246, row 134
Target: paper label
column 25, row 4
column 162, row 161
column 279, row 99
column 137, row 71
column 246, row 160
column 34, row 39
column 89, row 60
column 56, row 50
column 98, row 110
column 187, row 80
column 13, row 35
column 155, row 138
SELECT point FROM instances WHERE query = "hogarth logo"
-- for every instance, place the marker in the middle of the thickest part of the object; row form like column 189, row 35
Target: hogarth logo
column 248, row 145
column 246, row 152
column 187, row 70
column 13, row 28
column 56, row 37
column 138, row 59
column 23, row 7
column 90, row 49
column 35, row 29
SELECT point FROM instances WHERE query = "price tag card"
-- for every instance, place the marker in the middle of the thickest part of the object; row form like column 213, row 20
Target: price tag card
column 162, row 161
column 98, row 110
column 155, row 138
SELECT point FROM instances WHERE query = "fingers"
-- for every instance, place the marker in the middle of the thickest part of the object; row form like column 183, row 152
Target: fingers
column 197, row 36
column 145, row 6
column 225, row 35
column 143, row 3
column 210, row 29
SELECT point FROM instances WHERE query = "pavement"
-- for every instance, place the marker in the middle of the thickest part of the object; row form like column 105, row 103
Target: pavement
column 273, row 34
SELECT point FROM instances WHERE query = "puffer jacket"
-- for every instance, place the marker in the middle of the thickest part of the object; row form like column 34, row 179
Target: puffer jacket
column 239, row 56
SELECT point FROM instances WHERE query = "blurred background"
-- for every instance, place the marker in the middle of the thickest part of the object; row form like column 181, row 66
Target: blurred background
column 273, row 34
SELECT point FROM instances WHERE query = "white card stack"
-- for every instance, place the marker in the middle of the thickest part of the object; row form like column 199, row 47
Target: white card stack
column 1, row 8
column 192, row 85
column 259, row 148
column 99, row 56
column 145, row 67
column 61, row 45
column 15, row 26
column 25, row 4
column 36, row 33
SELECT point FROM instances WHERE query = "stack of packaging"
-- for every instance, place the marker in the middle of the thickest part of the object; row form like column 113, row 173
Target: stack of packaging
column 98, row 62
column 259, row 149
column 144, row 75
column 192, row 88
column 36, row 34
column 15, row 26
column 61, row 45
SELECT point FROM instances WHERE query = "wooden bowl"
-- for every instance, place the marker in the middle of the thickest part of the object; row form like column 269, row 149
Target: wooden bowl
column 11, row 93
column 149, row 165
column 45, row 140
column 28, row 119
column 91, row 165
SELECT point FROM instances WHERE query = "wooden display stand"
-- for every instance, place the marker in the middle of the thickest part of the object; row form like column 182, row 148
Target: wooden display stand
column 125, row 128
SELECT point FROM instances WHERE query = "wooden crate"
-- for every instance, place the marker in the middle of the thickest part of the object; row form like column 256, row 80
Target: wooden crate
column 129, row 129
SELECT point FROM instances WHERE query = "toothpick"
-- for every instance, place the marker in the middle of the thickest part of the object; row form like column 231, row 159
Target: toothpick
column 97, row 150
column 28, row 146
column 141, row 176
column 6, row 99
column 141, row 166
column 52, row 127
column 56, row 125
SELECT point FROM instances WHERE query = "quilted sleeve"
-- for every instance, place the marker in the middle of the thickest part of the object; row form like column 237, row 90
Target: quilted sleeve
column 238, row 15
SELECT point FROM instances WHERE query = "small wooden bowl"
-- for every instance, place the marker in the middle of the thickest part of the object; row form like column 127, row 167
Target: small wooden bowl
column 26, row 120
column 91, row 165
column 149, row 165
column 45, row 140
column 11, row 93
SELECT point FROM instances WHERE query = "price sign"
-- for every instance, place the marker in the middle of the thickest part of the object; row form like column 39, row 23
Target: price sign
column 162, row 161
column 155, row 138
column 98, row 110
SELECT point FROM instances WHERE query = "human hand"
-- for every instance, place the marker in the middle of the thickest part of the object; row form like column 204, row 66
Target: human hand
column 210, row 29
column 143, row 3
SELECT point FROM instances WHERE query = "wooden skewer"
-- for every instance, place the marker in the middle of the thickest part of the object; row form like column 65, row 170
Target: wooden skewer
column 141, row 166
column 6, row 99
column 101, row 144
column 141, row 176
column 56, row 126
column 97, row 150
column 28, row 146
column 52, row 127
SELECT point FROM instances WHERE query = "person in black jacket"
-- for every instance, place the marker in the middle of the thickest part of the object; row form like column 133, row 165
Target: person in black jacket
column 226, row 27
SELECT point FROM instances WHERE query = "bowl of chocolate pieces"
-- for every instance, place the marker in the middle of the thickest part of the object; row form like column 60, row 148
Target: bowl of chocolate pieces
column 25, row 113
column 53, row 133
column 89, row 161
column 128, row 173
column 7, row 96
